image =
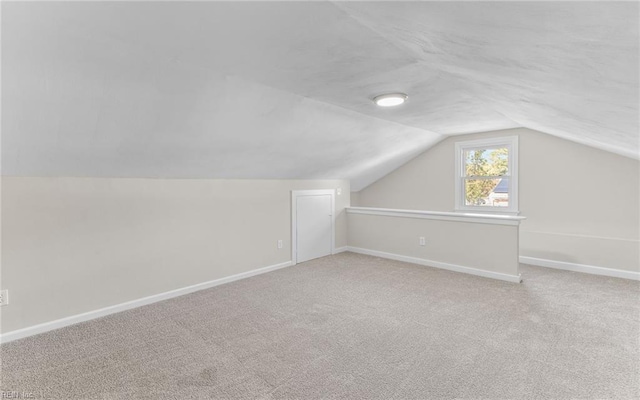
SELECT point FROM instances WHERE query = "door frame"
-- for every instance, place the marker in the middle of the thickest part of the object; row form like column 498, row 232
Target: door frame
column 294, row 218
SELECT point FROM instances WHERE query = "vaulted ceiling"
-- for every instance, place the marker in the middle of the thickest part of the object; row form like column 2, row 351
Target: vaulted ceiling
column 284, row 89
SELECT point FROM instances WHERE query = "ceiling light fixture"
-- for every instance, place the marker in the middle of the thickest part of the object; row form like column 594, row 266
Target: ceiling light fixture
column 390, row 99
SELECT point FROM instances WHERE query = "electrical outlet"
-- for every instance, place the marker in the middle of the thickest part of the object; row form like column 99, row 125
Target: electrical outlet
column 4, row 297
column 279, row 244
column 422, row 241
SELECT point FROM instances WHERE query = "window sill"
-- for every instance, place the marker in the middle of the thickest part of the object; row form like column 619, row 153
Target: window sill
column 494, row 211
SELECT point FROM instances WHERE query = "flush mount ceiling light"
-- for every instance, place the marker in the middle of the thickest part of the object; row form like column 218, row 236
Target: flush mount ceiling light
column 390, row 99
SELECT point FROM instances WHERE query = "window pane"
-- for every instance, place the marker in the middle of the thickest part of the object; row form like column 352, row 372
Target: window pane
column 486, row 162
column 487, row 192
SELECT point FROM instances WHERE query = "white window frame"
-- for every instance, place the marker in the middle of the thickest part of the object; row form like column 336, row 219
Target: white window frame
column 511, row 143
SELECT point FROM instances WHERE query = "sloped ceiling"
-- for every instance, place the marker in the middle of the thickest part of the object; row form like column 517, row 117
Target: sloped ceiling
column 283, row 90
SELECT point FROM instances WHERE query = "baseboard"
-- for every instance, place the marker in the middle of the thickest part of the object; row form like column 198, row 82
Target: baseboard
column 74, row 319
column 437, row 264
column 340, row 250
column 587, row 269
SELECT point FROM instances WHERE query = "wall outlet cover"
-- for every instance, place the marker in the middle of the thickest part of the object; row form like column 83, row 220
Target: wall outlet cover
column 4, row 297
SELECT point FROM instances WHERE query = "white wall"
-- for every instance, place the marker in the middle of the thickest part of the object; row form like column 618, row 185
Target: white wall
column 479, row 248
column 72, row 245
column 581, row 204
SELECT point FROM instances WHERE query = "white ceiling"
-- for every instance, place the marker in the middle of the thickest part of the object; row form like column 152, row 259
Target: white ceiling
column 283, row 90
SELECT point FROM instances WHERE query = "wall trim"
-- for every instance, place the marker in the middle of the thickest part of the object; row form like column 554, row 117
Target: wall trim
column 437, row 264
column 102, row 312
column 495, row 219
column 340, row 250
column 587, row 269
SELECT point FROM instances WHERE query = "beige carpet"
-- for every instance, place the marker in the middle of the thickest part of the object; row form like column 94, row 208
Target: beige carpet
column 356, row 327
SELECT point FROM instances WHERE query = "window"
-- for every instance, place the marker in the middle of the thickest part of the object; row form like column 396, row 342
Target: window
column 487, row 175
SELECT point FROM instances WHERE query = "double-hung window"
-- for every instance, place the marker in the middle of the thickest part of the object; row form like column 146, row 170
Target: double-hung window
column 487, row 175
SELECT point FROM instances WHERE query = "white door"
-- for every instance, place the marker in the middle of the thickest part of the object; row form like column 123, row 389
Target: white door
column 314, row 226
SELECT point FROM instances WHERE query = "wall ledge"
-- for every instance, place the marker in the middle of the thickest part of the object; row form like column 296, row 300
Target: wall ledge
column 495, row 219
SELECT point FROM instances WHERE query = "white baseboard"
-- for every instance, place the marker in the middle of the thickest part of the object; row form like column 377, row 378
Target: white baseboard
column 437, row 264
column 74, row 319
column 340, row 249
column 587, row 269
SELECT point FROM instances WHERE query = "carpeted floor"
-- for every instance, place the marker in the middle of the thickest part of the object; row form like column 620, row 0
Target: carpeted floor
column 354, row 327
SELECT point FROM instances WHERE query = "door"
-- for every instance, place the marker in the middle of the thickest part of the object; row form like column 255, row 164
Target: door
column 314, row 226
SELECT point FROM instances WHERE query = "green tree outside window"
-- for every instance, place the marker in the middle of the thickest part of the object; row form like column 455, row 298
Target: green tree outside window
column 481, row 166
